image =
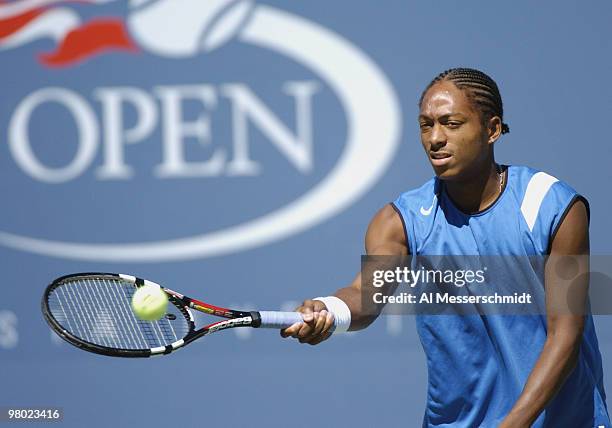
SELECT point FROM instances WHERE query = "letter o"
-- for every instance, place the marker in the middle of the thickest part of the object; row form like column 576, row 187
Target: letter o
column 19, row 141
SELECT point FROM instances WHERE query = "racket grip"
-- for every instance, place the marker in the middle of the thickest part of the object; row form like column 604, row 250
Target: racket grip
column 274, row 319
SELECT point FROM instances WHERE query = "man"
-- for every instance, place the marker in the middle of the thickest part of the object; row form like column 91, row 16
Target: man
column 507, row 371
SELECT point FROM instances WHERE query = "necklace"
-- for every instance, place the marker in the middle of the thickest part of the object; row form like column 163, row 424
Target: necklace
column 500, row 174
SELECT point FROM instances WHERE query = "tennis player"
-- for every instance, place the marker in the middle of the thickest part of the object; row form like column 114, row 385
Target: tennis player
column 507, row 371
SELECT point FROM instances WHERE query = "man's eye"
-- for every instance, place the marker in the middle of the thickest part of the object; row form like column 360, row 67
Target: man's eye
column 453, row 125
column 425, row 126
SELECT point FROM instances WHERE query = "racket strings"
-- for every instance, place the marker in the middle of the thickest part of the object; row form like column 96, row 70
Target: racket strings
column 98, row 311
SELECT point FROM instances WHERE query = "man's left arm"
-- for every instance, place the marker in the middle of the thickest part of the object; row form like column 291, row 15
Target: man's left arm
column 564, row 326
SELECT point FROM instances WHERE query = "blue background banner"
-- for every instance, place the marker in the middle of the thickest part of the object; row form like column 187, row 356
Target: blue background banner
column 236, row 151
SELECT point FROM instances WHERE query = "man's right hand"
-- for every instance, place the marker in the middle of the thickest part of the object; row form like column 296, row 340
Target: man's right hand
column 385, row 237
column 317, row 325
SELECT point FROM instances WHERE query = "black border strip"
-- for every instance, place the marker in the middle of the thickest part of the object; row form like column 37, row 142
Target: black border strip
column 399, row 213
column 571, row 203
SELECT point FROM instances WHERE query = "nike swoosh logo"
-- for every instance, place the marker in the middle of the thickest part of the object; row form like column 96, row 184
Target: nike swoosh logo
column 427, row 211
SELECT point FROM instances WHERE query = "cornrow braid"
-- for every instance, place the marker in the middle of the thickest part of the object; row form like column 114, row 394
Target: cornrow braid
column 480, row 88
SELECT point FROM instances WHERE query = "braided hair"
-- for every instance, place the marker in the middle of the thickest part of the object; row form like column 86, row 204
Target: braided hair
column 480, row 89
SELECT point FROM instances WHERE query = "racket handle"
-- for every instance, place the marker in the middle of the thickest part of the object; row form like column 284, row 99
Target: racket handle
column 274, row 319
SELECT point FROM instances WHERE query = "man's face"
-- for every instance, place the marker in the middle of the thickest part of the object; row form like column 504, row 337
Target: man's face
column 452, row 132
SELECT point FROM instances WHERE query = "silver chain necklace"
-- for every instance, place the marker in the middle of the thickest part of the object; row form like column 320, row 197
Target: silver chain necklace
column 500, row 173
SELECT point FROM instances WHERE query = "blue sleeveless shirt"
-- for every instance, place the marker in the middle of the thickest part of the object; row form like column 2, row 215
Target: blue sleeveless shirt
column 477, row 364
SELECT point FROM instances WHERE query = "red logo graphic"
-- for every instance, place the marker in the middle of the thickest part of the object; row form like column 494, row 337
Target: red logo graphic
column 168, row 28
column 24, row 21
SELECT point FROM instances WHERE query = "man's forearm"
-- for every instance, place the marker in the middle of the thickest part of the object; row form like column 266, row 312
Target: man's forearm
column 556, row 362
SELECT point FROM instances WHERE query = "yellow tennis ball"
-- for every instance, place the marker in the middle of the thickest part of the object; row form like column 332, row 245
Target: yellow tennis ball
column 149, row 302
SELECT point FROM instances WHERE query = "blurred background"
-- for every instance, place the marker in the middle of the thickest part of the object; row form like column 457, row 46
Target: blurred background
column 236, row 150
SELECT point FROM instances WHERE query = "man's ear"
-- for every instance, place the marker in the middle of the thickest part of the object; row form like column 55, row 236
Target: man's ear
column 494, row 129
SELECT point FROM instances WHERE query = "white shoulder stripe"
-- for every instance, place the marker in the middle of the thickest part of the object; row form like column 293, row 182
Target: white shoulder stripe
column 534, row 195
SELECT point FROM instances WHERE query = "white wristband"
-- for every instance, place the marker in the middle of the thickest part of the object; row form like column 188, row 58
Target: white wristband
column 342, row 313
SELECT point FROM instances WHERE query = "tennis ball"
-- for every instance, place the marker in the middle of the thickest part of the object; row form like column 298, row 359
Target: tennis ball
column 149, row 302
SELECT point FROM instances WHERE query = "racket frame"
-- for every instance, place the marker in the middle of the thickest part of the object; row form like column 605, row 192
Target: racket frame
column 233, row 318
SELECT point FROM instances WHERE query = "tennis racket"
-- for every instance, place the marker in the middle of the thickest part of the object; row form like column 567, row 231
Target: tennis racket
column 92, row 311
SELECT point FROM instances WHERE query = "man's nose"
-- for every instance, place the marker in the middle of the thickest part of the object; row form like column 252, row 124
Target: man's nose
column 438, row 137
